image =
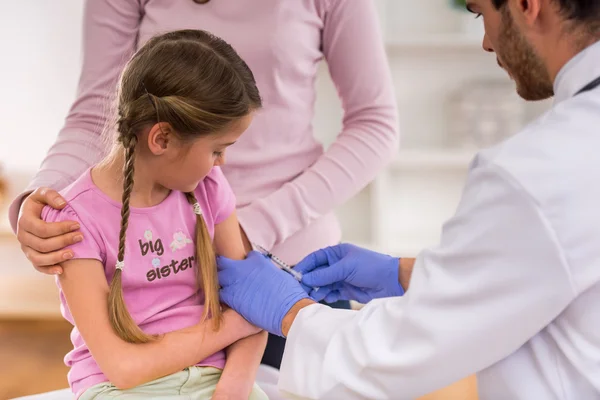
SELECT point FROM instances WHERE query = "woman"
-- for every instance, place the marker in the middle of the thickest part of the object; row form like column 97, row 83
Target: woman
column 286, row 186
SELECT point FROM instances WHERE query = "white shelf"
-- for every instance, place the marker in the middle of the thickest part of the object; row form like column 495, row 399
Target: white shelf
column 433, row 159
column 449, row 41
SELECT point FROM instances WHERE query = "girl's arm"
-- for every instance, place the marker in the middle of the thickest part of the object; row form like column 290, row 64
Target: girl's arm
column 128, row 365
column 243, row 357
column 355, row 53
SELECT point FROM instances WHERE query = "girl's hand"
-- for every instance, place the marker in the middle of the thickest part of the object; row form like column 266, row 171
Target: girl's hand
column 44, row 243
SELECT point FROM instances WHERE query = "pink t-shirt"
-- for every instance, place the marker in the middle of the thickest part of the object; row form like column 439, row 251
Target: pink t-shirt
column 159, row 278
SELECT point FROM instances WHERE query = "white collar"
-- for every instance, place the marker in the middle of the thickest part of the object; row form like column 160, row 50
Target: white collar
column 577, row 72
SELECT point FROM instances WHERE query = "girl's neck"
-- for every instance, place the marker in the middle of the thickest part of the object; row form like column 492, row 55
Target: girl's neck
column 108, row 177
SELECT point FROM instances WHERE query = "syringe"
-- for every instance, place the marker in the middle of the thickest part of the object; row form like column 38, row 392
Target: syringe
column 283, row 265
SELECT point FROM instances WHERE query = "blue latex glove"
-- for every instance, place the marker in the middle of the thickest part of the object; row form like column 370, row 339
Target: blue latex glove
column 258, row 290
column 348, row 272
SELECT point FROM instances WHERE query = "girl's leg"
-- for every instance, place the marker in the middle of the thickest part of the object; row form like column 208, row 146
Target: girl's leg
column 201, row 384
column 203, row 381
column 193, row 383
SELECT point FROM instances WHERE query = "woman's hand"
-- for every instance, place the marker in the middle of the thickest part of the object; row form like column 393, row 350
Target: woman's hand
column 44, row 243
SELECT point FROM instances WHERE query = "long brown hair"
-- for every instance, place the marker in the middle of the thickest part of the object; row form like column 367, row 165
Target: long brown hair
column 199, row 85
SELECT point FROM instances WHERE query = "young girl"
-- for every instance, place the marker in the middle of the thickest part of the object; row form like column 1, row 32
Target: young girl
column 142, row 289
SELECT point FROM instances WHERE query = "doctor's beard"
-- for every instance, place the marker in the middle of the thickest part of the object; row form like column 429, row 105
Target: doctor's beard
column 522, row 63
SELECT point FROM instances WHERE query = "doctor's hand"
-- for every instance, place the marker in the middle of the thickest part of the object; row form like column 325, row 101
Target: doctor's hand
column 258, row 290
column 348, row 272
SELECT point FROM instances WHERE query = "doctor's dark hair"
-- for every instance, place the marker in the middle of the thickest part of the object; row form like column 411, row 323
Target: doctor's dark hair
column 581, row 11
column 198, row 85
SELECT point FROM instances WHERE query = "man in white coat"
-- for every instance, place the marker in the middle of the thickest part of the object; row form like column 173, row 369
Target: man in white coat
column 511, row 292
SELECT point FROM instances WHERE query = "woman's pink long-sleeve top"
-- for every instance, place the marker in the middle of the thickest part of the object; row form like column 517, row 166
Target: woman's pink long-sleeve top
column 287, row 186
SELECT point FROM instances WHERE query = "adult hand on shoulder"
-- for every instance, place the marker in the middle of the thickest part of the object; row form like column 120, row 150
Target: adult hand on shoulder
column 44, row 243
column 348, row 272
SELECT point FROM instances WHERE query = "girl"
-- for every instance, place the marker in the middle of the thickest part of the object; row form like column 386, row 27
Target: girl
column 148, row 212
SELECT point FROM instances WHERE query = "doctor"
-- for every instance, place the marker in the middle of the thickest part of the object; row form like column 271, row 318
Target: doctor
column 512, row 291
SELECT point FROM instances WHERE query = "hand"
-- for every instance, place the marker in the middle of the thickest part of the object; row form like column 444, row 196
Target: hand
column 44, row 243
column 258, row 290
column 348, row 272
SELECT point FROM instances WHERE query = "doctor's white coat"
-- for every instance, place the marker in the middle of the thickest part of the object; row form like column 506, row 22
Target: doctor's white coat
column 512, row 291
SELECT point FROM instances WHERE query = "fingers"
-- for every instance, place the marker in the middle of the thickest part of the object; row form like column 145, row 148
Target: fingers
column 33, row 224
column 255, row 255
column 326, row 275
column 354, row 293
column 307, row 289
column 312, row 261
column 320, row 294
column 52, row 244
column 332, row 297
column 47, row 196
column 224, row 271
column 47, row 263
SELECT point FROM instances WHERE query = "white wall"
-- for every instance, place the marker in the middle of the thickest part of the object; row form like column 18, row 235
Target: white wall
column 40, row 50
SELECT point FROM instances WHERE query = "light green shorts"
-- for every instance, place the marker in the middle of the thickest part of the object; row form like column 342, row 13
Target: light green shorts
column 193, row 383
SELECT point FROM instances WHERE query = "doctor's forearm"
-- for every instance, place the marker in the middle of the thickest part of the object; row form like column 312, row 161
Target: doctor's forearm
column 405, row 269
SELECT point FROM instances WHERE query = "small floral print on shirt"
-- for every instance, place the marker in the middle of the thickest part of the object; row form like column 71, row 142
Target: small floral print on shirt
column 148, row 234
column 156, row 261
column 179, row 241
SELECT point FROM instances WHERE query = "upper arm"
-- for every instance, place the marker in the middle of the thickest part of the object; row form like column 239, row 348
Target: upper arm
column 354, row 49
column 110, row 34
column 85, row 288
column 227, row 236
column 228, row 239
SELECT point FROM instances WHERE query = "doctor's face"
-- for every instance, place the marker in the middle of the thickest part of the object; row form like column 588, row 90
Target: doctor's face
column 514, row 52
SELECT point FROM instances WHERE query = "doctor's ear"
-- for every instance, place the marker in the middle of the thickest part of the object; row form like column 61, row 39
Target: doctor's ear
column 159, row 137
column 527, row 11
